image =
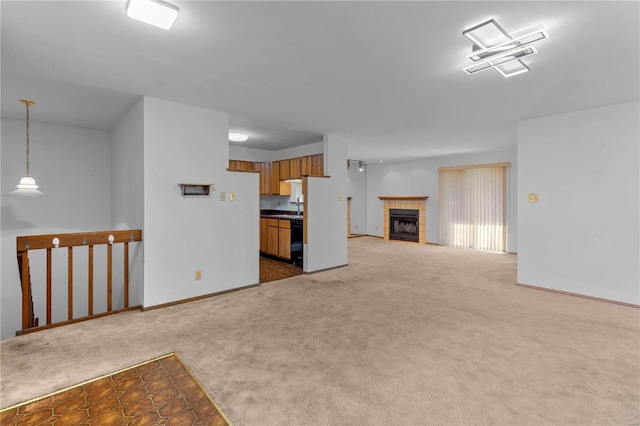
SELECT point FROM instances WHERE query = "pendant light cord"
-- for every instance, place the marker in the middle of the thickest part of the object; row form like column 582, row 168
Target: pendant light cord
column 27, row 104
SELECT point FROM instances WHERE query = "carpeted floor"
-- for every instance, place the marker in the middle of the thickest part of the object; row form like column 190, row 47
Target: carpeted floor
column 405, row 334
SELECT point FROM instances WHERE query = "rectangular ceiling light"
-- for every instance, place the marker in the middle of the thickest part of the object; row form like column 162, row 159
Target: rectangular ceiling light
column 524, row 40
column 154, row 12
column 503, row 58
column 489, row 33
column 512, row 68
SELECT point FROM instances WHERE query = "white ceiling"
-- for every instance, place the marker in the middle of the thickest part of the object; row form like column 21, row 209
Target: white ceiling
column 386, row 76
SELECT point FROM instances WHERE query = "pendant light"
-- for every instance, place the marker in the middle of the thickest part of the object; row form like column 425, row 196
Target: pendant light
column 27, row 185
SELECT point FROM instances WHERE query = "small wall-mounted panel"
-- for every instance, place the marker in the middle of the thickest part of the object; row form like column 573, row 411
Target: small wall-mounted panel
column 195, row 189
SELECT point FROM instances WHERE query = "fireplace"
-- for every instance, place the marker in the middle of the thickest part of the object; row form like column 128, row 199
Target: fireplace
column 404, row 225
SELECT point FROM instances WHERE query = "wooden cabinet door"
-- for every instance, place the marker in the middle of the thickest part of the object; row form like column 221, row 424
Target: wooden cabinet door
column 275, row 178
column 264, row 245
column 265, row 177
column 284, row 170
column 233, row 165
column 305, row 165
column 317, row 165
column 285, row 188
column 272, row 239
column 294, row 168
column 246, row 166
column 284, row 246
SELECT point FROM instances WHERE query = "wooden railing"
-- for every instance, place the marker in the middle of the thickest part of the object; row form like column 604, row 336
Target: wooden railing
column 50, row 242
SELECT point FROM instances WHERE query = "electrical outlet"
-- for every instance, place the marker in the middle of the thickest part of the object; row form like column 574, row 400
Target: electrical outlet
column 198, row 275
column 532, row 198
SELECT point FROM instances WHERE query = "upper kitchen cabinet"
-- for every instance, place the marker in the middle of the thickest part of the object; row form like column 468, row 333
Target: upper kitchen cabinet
column 275, row 178
column 317, row 165
column 311, row 165
column 284, row 170
column 241, row 166
column 294, row 168
column 265, row 176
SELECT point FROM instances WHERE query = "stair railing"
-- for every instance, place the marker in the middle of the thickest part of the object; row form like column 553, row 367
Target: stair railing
column 49, row 242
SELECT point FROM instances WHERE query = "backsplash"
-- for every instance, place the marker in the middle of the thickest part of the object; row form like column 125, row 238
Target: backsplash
column 278, row 202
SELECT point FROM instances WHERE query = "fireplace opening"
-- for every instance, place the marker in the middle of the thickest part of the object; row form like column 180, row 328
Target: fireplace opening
column 403, row 225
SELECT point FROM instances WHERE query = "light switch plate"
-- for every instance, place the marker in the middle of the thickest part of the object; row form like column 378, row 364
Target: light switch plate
column 232, row 196
column 223, row 196
column 198, row 275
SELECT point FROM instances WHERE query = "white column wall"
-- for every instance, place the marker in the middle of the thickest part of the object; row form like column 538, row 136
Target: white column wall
column 326, row 211
column 220, row 238
column 583, row 234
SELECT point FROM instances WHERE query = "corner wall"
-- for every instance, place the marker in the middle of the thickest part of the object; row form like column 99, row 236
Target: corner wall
column 220, row 238
column 582, row 235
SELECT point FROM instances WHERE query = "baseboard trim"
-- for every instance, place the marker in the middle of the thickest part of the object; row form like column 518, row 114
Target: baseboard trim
column 326, row 269
column 192, row 299
column 583, row 296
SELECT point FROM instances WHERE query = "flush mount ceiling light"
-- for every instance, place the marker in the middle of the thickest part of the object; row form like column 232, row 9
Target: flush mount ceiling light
column 493, row 47
column 238, row 137
column 27, row 185
column 154, row 12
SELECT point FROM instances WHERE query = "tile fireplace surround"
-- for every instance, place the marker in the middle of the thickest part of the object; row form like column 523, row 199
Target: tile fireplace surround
column 416, row 203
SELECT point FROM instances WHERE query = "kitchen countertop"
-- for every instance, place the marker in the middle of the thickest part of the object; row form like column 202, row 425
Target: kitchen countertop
column 282, row 216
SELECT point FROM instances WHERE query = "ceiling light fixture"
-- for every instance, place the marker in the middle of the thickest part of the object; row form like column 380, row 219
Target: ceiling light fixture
column 494, row 47
column 238, row 137
column 27, row 185
column 155, row 12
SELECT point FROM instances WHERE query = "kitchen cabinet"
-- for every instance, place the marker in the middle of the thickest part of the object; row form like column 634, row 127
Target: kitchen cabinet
column 305, row 165
column 317, row 165
column 264, row 226
column 275, row 237
column 284, row 239
column 265, row 176
column 241, row 166
column 275, row 178
column 272, row 237
column 284, row 170
column 294, row 168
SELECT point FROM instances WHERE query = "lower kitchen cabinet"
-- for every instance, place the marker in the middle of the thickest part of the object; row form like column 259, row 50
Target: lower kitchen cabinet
column 272, row 237
column 284, row 239
column 264, row 245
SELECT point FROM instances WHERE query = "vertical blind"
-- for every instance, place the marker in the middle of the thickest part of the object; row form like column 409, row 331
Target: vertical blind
column 473, row 207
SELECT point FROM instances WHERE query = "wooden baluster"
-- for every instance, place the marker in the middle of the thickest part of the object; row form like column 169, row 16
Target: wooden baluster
column 70, row 283
column 90, row 289
column 26, row 291
column 48, row 286
column 126, row 274
column 109, row 275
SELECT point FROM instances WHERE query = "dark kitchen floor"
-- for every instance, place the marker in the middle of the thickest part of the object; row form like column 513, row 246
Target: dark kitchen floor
column 273, row 270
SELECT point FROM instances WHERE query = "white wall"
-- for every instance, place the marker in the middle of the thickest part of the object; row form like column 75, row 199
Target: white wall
column 221, row 238
column 326, row 210
column 582, row 235
column 72, row 166
column 357, row 190
column 127, row 190
column 250, row 154
column 420, row 177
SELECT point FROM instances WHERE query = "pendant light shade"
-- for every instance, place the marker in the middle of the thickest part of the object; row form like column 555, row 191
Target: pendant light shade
column 27, row 185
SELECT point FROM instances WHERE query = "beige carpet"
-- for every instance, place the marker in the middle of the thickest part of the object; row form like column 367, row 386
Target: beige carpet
column 406, row 334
